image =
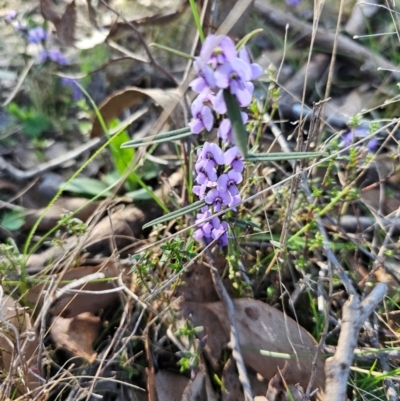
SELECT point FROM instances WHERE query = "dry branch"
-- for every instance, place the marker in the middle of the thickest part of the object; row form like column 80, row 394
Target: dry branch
column 354, row 315
column 324, row 39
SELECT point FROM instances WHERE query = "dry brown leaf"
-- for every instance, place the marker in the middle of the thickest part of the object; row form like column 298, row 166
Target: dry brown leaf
column 200, row 388
column 260, row 327
column 46, row 8
column 72, row 304
column 12, row 312
column 115, row 104
column 170, row 386
column 66, row 26
column 197, row 284
column 77, row 334
column 62, row 206
column 92, row 14
column 278, row 390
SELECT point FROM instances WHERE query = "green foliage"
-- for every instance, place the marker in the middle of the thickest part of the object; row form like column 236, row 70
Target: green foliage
column 34, row 123
column 12, row 220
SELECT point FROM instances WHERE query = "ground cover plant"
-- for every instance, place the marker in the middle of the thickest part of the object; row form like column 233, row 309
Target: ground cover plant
column 199, row 200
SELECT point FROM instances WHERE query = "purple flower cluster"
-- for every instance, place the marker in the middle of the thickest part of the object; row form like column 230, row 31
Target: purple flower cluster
column 353, row 136
column 37, row 35
column 219, row 167
column 53, row 55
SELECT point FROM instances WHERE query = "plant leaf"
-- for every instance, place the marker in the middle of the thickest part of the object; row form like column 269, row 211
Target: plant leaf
column 261, row 157
column 87, row 186
column 12, row 220
column 238, row 130
column 173, row 215
column 163, row 137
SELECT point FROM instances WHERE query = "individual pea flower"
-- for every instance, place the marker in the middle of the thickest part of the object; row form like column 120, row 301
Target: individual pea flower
column 229, row 182
column 233, row 158
column 221, row 233
column 217, row 50
column 235, row 75
column 205, row 228
column 203, row 117
column 225, row 129
column 205, row 77
column 76, row 91
column 217, row 198
column 256, row 69
column 293, row 3
column 10, row 16
column 350, row 137
column 53, row 55
column 37, row 35
column 212, row 154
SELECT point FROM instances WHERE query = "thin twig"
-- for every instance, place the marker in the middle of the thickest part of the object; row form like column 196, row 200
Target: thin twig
column 234, row 337
column 337, row 367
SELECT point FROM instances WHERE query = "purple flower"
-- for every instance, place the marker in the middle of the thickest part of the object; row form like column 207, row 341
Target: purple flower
column 202, row 113
column 221, row 233
column 205, row 77
column 217, row 198
column 204, row 229
column 256, row 69
column 225, row 129
column 10, row 16
column 236, row 75
column 293, row 3
column 212, row 153
column 37, row 35
column 229, row 181
column 234, row 159
column 217, row 50
column 76, row 92
column 350, row 137
column 54, row 55
column 205, row 172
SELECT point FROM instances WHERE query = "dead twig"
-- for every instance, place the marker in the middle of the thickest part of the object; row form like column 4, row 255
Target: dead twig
column 337, row 367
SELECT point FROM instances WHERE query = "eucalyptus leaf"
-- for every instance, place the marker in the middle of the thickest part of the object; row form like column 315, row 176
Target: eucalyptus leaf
column 238, row 130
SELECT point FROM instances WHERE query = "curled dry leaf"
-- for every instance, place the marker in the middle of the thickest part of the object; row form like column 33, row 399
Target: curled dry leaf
column 73, row 303
column 200, row 388
column 77, row 334
column 115, row 104
column 260, row 327
column 170, row 386
column 62, row 206
column 12, row 313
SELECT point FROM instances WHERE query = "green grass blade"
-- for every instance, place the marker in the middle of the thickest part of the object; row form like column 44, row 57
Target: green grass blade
column 242, row 42
column 172, row 51
column 265, row 157
column 238, row 130
column 197, row 19
column 187, row 209
column 162, row 137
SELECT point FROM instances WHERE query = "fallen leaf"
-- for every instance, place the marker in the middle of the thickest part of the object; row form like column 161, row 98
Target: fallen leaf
column 200, row 388
column 66, row 26
column 72, row 304
column 13, row 313
column 114, row 105
column 260, row 327
column 48, row 12
column 170, row 386
column 77, row 334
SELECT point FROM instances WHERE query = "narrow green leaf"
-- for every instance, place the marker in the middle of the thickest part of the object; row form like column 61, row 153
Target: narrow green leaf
column 197, row 19
column 163, row 137
column 262, row 157
column 173, row 215
column 238, row 130
column 171, row 50
column 242, row 42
